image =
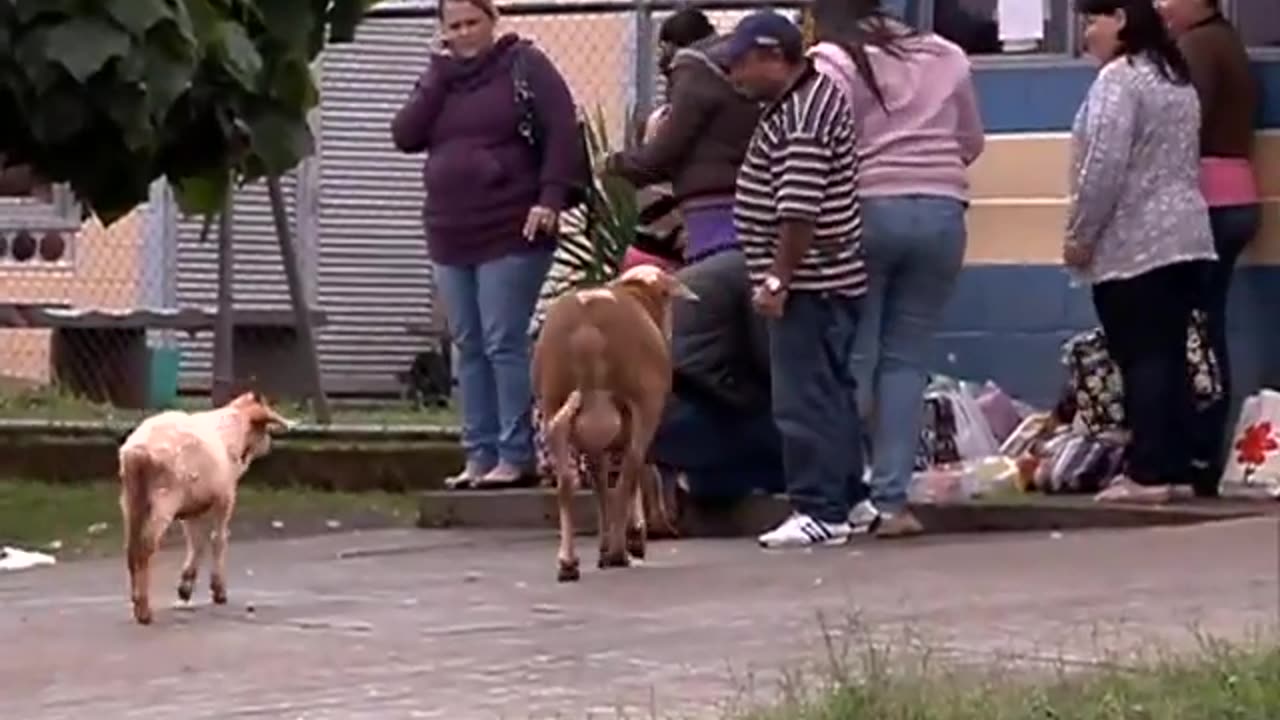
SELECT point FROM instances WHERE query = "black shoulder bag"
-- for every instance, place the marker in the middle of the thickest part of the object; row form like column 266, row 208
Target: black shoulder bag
column 530, row 129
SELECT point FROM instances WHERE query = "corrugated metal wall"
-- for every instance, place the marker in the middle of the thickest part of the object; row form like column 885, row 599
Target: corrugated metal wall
column 372, row 272
column 356, row 215
column 259, row 274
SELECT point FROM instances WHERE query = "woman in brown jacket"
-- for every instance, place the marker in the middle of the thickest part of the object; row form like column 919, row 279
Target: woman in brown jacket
column 1228, row 99
column 700, row 141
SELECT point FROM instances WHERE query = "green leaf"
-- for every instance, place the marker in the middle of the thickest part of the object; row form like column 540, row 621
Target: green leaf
column 239, row 56
column 167, row 76
column 344, row 16
column 32, row 54
column 181, row 20
column 203, row 19
column 290, row 21
column 202, row 194
column 128, row 108
column 281, row 141
column 138, row 16
column 60, row 115
column 293, row 84
column 28, row 10
column 82, row 45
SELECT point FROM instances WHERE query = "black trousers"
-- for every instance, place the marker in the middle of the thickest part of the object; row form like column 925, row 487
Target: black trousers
column 1233, row 228
column 1145, row 319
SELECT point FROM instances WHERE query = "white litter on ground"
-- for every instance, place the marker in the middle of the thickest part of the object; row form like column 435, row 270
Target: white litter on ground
column 13, row 559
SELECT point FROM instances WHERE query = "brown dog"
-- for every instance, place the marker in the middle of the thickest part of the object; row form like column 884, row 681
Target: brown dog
column 186, row 466
column 601, row 374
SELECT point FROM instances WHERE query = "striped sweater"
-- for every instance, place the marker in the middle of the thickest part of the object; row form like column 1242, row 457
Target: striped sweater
column 660, row 231
column 802, row 165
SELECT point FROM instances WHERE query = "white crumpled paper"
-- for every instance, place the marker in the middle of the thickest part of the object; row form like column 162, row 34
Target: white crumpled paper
column 13, row 559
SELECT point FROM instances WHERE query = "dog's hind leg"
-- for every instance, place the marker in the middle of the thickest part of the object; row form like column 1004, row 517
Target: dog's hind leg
column 637, row 524
column 621, row 504
column 197, row 531
column 565, row 471
column 613, row 511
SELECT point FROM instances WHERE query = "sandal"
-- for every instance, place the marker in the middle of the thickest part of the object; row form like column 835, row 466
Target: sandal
column 1124, row 490
column 465, row 479
column 505, row 476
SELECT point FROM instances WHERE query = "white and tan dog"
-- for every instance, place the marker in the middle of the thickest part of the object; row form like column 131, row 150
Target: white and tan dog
column 186, row 466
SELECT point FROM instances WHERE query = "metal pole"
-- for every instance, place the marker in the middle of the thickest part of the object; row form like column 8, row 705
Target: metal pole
column 298, row 297
column 646, row 63
column 225, row 324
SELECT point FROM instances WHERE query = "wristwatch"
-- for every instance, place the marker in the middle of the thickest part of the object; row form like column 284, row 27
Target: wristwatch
column 773, row 284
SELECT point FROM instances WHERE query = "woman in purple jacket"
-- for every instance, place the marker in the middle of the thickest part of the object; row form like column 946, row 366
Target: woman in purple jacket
column 499, row 166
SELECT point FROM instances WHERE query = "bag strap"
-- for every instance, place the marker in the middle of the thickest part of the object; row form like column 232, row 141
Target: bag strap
column 527, row 121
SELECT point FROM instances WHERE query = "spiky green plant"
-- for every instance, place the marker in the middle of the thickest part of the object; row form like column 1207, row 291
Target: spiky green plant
column 611, row 215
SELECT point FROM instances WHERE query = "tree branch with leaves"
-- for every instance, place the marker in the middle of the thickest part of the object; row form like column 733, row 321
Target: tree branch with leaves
column 110, row 95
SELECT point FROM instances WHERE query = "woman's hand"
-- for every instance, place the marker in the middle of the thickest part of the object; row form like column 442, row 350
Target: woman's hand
column 1076, row 256
column 541, row 220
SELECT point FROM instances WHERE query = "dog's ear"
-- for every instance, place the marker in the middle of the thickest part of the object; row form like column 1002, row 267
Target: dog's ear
column 261, row 415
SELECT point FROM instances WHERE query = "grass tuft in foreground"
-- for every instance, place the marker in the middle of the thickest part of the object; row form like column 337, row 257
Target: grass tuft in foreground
column 83, row 520
column 1218, row 681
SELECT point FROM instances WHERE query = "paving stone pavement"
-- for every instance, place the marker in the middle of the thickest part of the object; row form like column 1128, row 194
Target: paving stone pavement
column 460, row 625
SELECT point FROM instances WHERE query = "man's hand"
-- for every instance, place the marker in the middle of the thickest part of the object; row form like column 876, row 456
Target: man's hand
column 1076, row 256
column 769, row 304
column 541, row 220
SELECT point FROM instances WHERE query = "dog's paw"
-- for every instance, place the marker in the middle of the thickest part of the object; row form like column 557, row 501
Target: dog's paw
column 636, row 543
column 613, row 560
column 185, row 590
column 142, row 613
column 567, row 571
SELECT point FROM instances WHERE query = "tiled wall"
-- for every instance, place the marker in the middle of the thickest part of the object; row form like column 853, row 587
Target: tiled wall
column 1014, row 304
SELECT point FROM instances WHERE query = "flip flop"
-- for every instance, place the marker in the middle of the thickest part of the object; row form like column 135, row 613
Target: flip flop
column 527, row 479
column 463, row 480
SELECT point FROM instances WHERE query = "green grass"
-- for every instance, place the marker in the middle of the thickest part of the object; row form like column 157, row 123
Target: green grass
column 1217, row 681
column 48, row 403
column 84, row 519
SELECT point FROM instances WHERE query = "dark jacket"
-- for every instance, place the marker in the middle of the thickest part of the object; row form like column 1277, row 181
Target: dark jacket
column 706, row 135
column 1228, row 92
column 719, row 343
column 481, row 175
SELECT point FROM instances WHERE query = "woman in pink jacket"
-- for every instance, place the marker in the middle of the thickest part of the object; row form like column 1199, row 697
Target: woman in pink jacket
column 918, row 131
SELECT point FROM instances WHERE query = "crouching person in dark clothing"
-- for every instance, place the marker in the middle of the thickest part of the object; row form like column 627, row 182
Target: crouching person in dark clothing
column 718, row 429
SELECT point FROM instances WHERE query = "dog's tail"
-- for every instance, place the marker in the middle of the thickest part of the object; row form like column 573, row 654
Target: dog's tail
column 136, row 468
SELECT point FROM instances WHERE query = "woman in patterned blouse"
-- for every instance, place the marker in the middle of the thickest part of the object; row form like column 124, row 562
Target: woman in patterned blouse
column 1138, row 231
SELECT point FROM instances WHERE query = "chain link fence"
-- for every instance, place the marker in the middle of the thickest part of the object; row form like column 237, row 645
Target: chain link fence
column 99, row 322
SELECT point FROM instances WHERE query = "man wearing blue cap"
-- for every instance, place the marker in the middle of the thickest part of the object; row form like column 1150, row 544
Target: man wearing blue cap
column 797, row 217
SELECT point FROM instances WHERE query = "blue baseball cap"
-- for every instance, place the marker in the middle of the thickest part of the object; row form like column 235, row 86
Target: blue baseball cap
column 763, row 30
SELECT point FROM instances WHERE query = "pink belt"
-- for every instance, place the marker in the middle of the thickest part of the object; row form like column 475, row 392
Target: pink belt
column 1227, row 181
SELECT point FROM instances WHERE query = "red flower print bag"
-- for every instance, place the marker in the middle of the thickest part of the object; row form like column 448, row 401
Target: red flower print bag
column 1253, row 467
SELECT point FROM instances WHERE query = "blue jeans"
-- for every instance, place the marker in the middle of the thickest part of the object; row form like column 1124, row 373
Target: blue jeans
column 489, row 306
column 915, row 248
column 815, row 403
column 1233, row 228
column 725, row 455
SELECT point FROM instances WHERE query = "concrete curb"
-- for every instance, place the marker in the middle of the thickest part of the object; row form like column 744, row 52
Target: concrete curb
column 536, row 508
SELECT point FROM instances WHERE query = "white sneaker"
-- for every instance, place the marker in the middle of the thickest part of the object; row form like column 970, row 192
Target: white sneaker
column 865, row 517
column 800, row 530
